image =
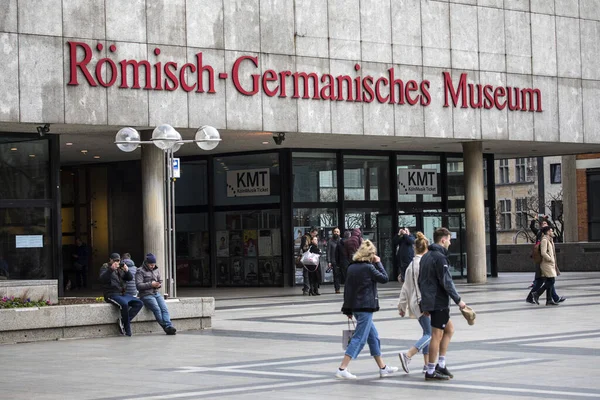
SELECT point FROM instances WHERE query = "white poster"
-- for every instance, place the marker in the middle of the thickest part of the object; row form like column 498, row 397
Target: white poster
column 265, row 249
column 249, row 182
column 417, row 181
column 28, row 241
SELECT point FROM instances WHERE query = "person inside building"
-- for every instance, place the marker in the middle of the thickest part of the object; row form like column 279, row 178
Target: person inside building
column 403, row 244
column 114, row 276
column 80, row 263
column 332, row 259
column 148, row 282
column 361, row 301
column 305, row 243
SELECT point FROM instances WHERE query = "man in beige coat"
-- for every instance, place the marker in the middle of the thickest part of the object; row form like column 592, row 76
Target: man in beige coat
column 548, row 267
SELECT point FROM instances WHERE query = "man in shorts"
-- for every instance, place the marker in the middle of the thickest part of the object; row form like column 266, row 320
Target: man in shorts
column 437, row 287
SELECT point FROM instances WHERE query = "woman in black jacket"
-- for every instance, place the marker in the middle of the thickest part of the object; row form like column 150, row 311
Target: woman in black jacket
column 361, row 301
column 314, row 270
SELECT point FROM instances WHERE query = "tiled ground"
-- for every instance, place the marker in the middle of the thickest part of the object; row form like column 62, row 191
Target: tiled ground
column 276, row 344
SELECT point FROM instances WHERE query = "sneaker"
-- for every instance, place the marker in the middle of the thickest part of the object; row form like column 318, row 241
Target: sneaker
column 443, row 371
column 344, row 374
column 387, row 371
column 530, row 300
column 121, row 326
column 170, row 330
column 424, row 369
column 436, row 376
column 536, row 299
column 404, row 360
column 562, row 299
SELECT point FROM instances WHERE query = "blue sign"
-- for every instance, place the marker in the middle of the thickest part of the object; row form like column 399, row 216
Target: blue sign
column 176, row 170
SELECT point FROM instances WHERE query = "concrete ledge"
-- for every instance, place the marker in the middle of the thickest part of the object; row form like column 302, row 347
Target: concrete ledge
column 46, row 289
column 97, row 320
column 571, row 257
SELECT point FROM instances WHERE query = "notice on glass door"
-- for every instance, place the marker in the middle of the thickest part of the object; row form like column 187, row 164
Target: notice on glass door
column 29, row 241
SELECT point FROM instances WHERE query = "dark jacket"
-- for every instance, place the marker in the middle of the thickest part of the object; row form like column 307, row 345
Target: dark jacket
column 342, row 255
column 332, row 254
column 144, row 277
column 305, row 243
column 405, row 252
column 131, row 289
column 360, row 291
column 314, row 268
column 114, row 282
column 435, row 280
column 353, row 242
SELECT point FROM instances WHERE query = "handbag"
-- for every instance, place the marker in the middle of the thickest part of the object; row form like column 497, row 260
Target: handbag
column 347, row 334
column 309, row 258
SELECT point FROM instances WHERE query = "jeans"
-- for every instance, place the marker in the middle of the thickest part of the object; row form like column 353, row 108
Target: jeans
column 423, row 343
column 156, row 303
column 548, row 287
column 130, row 306
column 364, row 333
column 537, row 284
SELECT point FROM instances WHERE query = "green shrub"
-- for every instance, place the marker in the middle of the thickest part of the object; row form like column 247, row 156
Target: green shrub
column 16, row 302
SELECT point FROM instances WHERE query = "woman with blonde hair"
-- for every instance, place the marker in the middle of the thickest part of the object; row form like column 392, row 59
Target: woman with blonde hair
column 410, row 297
column 361, row 301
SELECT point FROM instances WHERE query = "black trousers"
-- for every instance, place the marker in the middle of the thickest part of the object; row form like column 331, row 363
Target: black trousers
column 548, row 287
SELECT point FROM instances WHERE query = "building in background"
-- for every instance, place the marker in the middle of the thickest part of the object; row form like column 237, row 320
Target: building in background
column 588, row 197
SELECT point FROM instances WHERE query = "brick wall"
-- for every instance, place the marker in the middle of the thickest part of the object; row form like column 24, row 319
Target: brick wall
column 582, row 205
column 588, row 156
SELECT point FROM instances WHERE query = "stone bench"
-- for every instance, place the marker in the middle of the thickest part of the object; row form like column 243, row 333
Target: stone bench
column 97, row 320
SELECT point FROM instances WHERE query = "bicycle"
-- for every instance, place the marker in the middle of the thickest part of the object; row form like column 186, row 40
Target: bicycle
column 523, row 236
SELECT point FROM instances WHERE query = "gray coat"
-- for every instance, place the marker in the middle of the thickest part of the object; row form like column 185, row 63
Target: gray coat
column 144, row 278
column 131, row 289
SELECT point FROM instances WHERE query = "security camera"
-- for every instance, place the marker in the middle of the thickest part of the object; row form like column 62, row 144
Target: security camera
column 278, row 138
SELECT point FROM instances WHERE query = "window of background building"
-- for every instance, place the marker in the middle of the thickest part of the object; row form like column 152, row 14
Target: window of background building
column 366, row 178
column 420, row 162
column 505, row 215
column 314, row 177
column 456, row 178
column 521, row 213
column 593, row 185
column 555, row 173
column 520, row 169
column 193, row 249
column 191, row 188
column 504, row 172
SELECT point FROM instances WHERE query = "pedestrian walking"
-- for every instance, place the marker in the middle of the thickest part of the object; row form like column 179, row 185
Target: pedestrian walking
column 548, row 267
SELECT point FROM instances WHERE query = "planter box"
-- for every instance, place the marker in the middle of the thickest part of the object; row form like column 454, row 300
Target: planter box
column 34, row 289
column 97, row 320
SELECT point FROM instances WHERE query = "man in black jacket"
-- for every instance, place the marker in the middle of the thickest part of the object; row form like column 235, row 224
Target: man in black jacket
column 332, row 259
column 436, row 285
column 114, row 276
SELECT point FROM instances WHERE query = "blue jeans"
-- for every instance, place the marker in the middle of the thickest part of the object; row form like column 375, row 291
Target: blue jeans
column 364, row 333
column 130, row 306
column 156, row 303
column 537, row 284
column 423, row 343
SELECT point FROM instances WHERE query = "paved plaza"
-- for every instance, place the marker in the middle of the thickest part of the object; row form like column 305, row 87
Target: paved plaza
column 276, row 344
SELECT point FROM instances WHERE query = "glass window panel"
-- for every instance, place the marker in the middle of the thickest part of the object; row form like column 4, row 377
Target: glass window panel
column 314, row 177
column 420, row 162
column 366, row 178
column 236, row 182
column 28, row 261
column 456, row 179
column 193, row 250
column 25, row 170
column 191, row 188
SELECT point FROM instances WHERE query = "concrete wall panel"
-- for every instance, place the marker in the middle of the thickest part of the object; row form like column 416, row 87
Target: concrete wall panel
column 9, row 82
column 406, row 32
column 463, row 25
column 520, row 124
column 591, row 111
column 518, row 42
column 8, row 16
column 543, row 34
column 277, row 26
column 243, row 112
column 570, row 110
column 438, row 119
column 494, row 122
column 84, row 19
column 204, row 24
column 40, row 17
column 409, row 120
column 84, row 104
column 129, row 106
column 41, row 81
column 344, row 29
column 520, row 5
column 242, row 25
column 208, row 108
column 589, row 9
column 567, row 8
column 280, row 114
column 167, row 21
column 376, row 31
column 126, row 20
column 490, row 3
column 312, row 37
column 346, row 116
column 436, row 34
column 542, row 7
column 314, row 115
column 168, row 107
column 590, row 49
column 467, row 121
column 568, row 47
column 492, row 46
column 546, row 122
column 378, row 117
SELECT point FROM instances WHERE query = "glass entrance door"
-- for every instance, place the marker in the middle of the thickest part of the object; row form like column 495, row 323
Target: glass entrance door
column 383, row 242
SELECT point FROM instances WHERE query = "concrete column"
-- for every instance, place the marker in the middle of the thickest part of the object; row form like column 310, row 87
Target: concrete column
column 475, row 212
column 153, row 202
column 569, row 197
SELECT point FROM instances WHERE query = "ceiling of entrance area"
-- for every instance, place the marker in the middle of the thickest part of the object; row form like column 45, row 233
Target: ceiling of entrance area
column 82, row 144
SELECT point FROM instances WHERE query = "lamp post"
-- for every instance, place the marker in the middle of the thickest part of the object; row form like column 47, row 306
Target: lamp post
column 166, row 138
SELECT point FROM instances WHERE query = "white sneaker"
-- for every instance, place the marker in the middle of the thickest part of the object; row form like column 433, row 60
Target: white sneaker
column 387, row 371
column 344, row 374
column 404, row 360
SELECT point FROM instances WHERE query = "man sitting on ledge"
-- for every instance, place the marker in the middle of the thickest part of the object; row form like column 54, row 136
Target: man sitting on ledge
column 115, row 275
column 148, row 282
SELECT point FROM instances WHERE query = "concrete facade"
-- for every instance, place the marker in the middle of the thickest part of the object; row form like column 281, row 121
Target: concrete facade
column 515, row 43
